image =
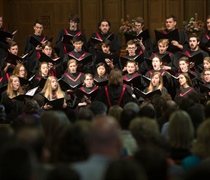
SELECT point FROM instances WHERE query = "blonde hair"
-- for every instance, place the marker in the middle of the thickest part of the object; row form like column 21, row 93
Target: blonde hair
column 163, row 41
column 10, row 90
column 160, row 86
column 47, row 90
column 70, row 61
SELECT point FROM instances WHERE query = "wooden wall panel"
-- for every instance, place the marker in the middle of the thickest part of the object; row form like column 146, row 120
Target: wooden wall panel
column 90, row 16
column 175, row 7
column 193, row 6
column 155, row 15
column 134, row 8
column 112, row 12
column 20, row 14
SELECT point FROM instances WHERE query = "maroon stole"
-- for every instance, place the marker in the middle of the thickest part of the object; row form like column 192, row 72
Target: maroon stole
column 38, row 53
column 183, row 94
column 72, row 79
column 134, row 75
column 64, row 45
column 121, row 96
column 80, row 58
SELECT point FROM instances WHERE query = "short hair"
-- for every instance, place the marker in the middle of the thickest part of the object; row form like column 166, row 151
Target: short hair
column 131, row 42
column 163, row 41
column 77, row 39
column 185, row 59
column 171, row 16
column 12, row 44
column 106, row 43
column 38, row 22
column 139, row 20
column 98, row 108
column 74, row 17
column 194, row 36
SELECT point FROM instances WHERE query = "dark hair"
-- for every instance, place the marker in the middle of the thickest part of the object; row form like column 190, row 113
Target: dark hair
column 106, row 43
column 77, row 39
column 104, row 20
column 127, row 116
column 74, row 17
column 171, row 16
column 38, row 22
column 194, row 36
column 115, row 77
column 98, row 107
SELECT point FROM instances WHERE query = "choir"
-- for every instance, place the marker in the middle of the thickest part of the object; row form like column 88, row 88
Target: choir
column 78, row 71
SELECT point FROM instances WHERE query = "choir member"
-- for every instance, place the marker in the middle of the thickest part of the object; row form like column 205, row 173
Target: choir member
column 51, row 92
column 186, row 86
column 13, row 107
column 116, row 93
column 101, row 35
column 175, row 45
column 63, row 42
column 87, row 93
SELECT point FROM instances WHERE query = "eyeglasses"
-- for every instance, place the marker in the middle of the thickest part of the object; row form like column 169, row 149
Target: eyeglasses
column 131, row 48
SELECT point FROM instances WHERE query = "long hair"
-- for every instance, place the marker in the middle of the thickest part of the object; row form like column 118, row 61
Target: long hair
column 188, row 80
column 115, row 77
column 10, row 90
column 160, row 86
column 180, row 130
column 186, row 60
column 17, row 70
column 39, row 70
column 47, row 90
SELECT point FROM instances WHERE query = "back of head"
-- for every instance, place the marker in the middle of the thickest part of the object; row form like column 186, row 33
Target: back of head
column 85, row 114
column 124, row 170
column 98, row 108
column 132, row 105
column 17, row 162
column 144, row 130
column 180, row 130
column 63, row 172
column 154, row 162
column 147, row 110
column 127, row 116
column 105, row 136
column 115, row 111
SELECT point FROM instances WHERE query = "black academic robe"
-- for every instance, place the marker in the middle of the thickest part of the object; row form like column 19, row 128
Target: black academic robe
column 174, row 60
column 198, row 68
column 3, row 46
column 115, row 42
column 12, row 107
column 131, row 77
column 31, row 49
column 60, row 48
column 84, row 60
column 115, row 95
column 205, row 42
column 73, row 79
column 185, row 92
column 168, row 81
column 183, row 40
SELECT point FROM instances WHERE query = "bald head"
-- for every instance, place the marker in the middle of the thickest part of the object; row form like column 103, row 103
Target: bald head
column 105, row 135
